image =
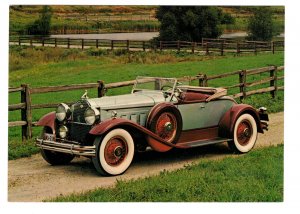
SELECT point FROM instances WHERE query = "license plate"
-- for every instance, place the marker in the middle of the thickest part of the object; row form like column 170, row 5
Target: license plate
column 49, row 137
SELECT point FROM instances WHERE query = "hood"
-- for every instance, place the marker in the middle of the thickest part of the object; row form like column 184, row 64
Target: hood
column 138, row 99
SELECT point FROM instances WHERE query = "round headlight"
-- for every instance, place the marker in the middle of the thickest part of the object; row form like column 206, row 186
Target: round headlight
column 91, row 115
column 62, row 131
column 62, row 112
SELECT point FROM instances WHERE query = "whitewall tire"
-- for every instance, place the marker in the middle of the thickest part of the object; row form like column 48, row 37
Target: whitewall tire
column 244, row 134
column 114, row 152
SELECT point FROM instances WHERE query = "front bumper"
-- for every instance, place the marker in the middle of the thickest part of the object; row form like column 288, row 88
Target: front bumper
column 69, row 147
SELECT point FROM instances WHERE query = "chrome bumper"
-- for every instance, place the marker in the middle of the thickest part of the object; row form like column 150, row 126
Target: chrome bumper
column 66, row 147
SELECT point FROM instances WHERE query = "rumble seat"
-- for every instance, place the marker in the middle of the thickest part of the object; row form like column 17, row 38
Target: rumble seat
column 194, row 94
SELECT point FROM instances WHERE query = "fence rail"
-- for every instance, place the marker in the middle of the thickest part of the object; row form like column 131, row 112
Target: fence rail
column 207, row 46
column 26, row 91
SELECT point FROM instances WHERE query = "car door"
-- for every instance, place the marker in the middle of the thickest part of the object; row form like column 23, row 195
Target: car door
column 203, row 114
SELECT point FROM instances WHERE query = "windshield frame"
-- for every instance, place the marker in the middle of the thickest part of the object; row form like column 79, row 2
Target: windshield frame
column 135, row 86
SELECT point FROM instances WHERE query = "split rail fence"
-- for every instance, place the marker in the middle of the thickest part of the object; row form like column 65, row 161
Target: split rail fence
column 26, row 106
column 206, row 46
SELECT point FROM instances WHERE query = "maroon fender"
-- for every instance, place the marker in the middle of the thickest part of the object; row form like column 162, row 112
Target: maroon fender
column 110, row 124
column 157, row 109
column 48, row 120
column 226, row 124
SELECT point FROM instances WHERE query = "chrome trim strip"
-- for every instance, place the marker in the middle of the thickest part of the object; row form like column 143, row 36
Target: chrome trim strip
column 66, row 148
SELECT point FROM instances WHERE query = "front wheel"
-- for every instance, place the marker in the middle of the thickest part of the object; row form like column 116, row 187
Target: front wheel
column 114, row 152
column 244, row 134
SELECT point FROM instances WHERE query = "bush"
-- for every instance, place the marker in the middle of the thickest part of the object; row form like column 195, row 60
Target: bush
column 261, row 26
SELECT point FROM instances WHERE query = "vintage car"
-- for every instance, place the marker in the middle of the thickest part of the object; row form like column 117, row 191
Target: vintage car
column 160, row 113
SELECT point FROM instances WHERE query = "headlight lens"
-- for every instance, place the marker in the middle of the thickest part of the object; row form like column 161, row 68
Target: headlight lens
column 63, row 130
column 62, row 112
column 91, row 116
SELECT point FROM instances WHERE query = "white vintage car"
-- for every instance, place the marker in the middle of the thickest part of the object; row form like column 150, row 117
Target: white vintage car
column 159, row 113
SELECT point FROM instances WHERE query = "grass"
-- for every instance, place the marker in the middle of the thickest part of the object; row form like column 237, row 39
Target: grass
column 50, row 67
column 254, row 177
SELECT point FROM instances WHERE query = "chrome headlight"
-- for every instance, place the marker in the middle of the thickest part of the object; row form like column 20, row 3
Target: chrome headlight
column 62, row 112
column 63, row 131
column 91, row 116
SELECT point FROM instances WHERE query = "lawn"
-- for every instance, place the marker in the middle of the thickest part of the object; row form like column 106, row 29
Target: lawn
column 254, row 177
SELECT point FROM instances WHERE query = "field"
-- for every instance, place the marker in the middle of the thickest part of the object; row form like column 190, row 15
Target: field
column 102, row 19
column 50, row 67
column 255, row 177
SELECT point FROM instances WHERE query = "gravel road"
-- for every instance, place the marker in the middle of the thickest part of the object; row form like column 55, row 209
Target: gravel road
column 32, row 179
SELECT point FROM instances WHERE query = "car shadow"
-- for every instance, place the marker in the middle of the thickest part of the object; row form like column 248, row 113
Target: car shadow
column 151, row 158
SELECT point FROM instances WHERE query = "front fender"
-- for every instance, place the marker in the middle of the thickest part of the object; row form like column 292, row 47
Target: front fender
column 113, row 123
column 48, row 120
column 226, row 124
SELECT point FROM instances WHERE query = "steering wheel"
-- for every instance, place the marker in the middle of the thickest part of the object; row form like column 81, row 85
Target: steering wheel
column 166, row 86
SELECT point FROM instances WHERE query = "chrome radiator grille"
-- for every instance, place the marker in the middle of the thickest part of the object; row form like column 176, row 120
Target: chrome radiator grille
column 78, row 111
column 78, row 127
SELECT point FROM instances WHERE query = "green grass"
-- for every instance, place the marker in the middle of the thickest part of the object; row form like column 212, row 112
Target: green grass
column 50, row 67
column 254, row 177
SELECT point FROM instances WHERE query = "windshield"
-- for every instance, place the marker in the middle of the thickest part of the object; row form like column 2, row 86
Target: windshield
column 154, row 83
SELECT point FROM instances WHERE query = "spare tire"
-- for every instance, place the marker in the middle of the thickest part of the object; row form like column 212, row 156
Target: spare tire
column 165, row 122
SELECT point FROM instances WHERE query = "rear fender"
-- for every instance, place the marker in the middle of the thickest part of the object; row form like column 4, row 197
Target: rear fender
column 226, row 124
column 48, row 120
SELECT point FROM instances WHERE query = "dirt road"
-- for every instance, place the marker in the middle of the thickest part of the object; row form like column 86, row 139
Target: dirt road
column 32, row 179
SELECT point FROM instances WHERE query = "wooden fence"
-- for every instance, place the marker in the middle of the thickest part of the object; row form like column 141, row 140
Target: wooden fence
column 26, row 106
column 206, row 46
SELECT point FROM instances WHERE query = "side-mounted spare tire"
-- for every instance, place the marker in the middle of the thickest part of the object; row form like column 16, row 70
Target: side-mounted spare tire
column 165, row 121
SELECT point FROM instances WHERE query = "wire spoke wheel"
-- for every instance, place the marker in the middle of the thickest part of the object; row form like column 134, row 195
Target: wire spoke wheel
column 244, row 134
column 115, row 151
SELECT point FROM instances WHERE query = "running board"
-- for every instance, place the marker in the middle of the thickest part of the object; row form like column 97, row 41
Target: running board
column 203, row 142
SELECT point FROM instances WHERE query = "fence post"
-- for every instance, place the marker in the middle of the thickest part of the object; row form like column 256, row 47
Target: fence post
column 160, row 45
column 26, row 113
column 238, row 48
column 55, row 42
column 178, row 45
column 101, row 88
column 112, row 44
column 97, row 43
column 202, row 80
column 68, row 42
column 273, row 47
column 242, row 80
column 82, row 44
column 193, row 47
column 144, row 46
column 207, row 48
column 255, row 48
column 127, row 45
column 273, row 82
column 43, row 42
column 222, row 48
column 30, row 41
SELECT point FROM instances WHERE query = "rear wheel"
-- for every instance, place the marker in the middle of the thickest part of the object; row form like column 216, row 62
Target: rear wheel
column 55, row 158
column 114, row 152
column 244, row 134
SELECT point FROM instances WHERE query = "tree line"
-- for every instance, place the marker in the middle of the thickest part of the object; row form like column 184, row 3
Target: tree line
column 188, row 23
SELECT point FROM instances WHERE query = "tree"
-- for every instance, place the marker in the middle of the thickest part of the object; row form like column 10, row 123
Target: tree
column 42, row 25
column 261, row 26
column 190, row 23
